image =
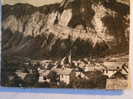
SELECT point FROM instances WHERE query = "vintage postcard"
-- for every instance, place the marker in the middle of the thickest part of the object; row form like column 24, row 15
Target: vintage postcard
column 82, row 44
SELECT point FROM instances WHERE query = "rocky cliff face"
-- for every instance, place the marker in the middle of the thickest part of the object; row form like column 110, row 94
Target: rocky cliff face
column 88, row 27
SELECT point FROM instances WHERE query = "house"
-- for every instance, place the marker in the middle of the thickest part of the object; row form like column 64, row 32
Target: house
column 21, row 74
column 89, row 68
column 114, row 67
column 117, row 76
column 43, row 76
column 79, row 73
column 94, row 67
column 64, row 74
column 109, row 72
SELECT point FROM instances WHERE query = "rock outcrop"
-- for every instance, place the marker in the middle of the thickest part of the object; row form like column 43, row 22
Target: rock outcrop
column 87, row 27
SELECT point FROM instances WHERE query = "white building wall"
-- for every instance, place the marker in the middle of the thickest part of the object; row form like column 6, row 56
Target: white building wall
column 65, row 78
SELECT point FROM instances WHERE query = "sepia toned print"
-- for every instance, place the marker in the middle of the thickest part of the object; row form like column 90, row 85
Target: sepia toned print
column 65, row 44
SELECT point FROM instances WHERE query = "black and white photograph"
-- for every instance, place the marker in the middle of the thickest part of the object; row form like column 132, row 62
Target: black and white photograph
column 78, row 44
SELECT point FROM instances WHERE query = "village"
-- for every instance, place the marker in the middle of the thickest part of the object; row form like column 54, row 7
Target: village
column 65, row 72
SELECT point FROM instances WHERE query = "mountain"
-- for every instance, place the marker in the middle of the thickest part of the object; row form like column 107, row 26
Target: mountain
column 87, row 27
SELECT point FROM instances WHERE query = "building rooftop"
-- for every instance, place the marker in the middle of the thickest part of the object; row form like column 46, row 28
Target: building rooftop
column 65, row 71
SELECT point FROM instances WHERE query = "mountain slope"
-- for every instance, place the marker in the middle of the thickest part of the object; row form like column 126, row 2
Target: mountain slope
column 88, row 27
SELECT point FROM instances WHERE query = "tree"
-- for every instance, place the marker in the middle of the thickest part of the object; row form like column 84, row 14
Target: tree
column 30, row 80
column 53, row 76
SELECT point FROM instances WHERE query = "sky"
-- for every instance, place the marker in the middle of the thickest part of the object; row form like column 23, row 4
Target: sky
column 33, row 2
column 38, row 2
